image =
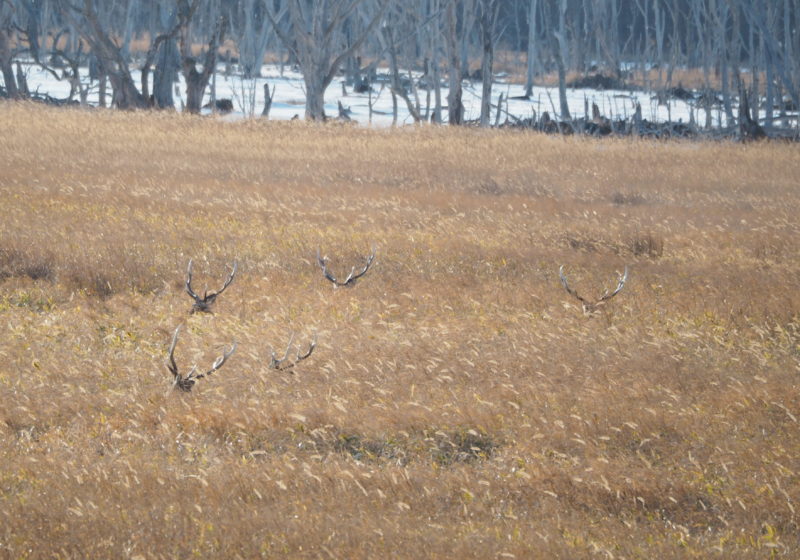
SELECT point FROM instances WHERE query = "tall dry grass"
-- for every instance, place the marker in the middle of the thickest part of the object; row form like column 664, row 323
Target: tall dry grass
column 459, row 404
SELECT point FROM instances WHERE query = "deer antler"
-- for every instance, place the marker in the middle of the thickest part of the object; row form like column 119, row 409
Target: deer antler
column 352, row 277
column 186, row 383
column 275, row 363
column 590, row 307
column 203, row 304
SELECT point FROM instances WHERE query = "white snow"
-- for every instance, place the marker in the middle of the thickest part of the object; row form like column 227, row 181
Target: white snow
column 289, row 98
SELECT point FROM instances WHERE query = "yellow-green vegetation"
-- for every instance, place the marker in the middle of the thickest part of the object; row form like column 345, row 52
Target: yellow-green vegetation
column 459, row 403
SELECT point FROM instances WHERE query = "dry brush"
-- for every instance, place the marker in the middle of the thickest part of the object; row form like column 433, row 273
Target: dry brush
column 459, row 403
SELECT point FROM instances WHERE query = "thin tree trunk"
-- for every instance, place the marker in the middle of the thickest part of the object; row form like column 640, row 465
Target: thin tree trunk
column 561, row 49
column 532, row 51
column 488, row 12
column 455, row 108
column 437, row 94
column 5, row 65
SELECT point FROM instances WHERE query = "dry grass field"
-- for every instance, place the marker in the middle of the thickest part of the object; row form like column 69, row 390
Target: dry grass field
column 459, row 403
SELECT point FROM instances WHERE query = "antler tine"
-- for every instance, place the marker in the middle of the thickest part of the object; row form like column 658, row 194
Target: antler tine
column 570, row 291
column 179, row 381
column 189, row 289
column 620, row 285
column 185, row 383
column 323, row 262
column 275, row 363
column 230, row 278
column 310, row 349
column 171, row 365
column 370, row 258
column 227, row 282
column 219, row 361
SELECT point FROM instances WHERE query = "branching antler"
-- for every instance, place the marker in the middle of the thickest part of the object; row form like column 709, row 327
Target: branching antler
column 281, row 365
column 186, row 383
column 352, row 277
column 203, row 304
column 590, row 307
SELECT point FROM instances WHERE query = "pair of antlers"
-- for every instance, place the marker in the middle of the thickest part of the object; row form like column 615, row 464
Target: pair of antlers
column 352, row 277
column 282, row 364
column 590, row 306
column 186, row 382
column 203, row 304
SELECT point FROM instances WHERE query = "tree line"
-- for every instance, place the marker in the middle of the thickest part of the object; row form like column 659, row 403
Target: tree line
column 732, row 44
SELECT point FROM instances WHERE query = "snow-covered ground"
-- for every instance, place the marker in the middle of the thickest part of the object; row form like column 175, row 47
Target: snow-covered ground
column 289, row 98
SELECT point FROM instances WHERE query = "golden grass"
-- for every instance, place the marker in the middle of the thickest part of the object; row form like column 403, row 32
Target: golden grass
column 459, row 404
column 514, row 64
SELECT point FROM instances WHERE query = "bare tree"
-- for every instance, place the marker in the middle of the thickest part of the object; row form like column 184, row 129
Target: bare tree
column 758, row 15
column 84, row 17
column 163, row 51
column 197, row 80
column 397, row 86
column 250, row 30
column 315, row 38
column 719, row 37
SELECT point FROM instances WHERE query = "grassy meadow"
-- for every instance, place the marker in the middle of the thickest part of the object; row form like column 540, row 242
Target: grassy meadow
column 459, row 404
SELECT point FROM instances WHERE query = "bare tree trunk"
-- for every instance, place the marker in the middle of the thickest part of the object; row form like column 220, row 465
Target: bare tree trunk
column 126, row 95
column 660, row 21
column 436, row 117
column 197, row 81
column 645, row 58
column 437, row 94
column 22, row 82
column 755, row 70
column 532, row 50
column 315, row 97
column 5, row 65
column 163, row 49
column 769, row 99
column 561, row 50
column 757, row 15
column 397, row 87
column 268, row 96
column 455, row 108
column 102, row 89
column 721, row 17
column 252, row 36
column 489, row 10
column 165, row 74
column 315, row 39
